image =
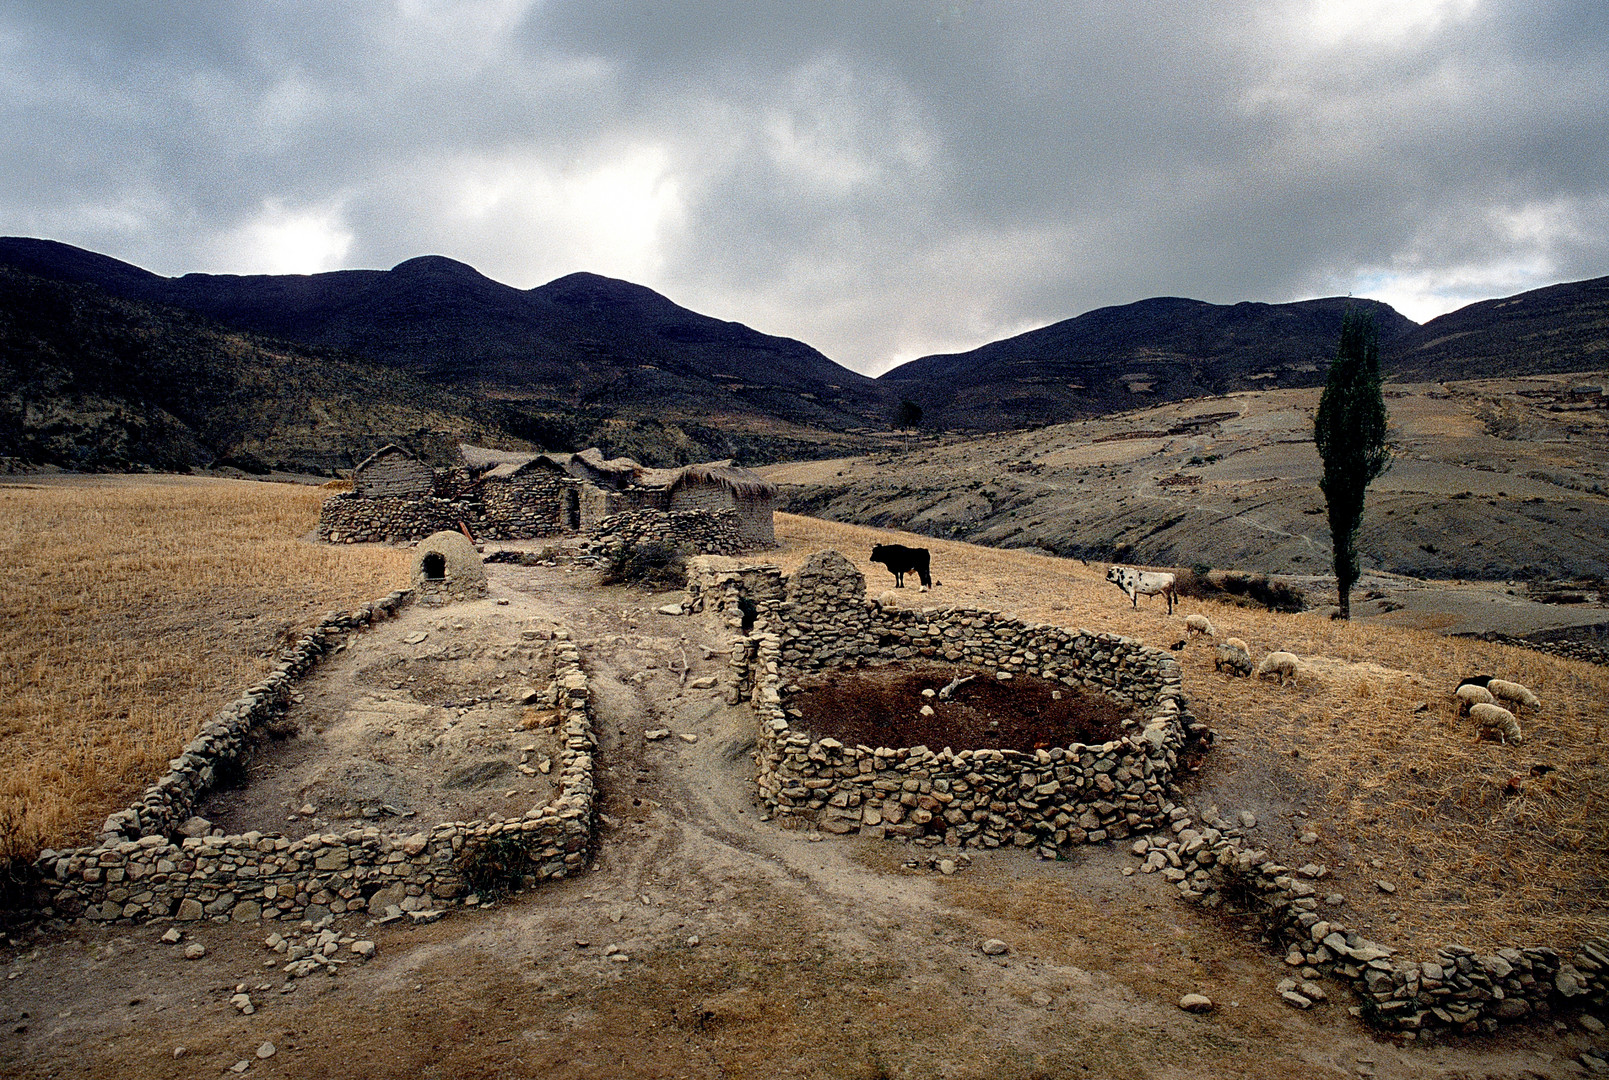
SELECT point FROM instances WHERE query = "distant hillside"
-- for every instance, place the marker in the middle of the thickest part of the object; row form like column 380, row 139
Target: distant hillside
column 1166, row 349
column 92, row 382
column 1120, row 358
column 579, row 350
column 1557, row 329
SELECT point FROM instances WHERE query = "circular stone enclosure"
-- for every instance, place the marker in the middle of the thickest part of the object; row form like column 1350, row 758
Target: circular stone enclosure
column 882, row 707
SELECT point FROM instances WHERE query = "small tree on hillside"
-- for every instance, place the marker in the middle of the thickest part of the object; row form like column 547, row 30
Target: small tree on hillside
column 1350, row 432
column 908, row 417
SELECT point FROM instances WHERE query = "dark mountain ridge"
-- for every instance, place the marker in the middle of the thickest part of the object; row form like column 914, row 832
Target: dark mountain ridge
column 586, row 359
column 577, row 342
column 93, row 382
column 1118, row 358
column 1553, row 330
column 1167, row 348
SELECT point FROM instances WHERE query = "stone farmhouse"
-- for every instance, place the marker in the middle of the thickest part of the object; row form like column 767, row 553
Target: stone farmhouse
column 500, row 495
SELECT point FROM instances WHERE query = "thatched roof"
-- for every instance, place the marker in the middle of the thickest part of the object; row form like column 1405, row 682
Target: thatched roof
column 385, row 451
column 485, row 457
column 622, row 471
column 740, row 482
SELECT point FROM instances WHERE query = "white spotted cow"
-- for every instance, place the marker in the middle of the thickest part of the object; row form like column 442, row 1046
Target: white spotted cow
column 1136, row 583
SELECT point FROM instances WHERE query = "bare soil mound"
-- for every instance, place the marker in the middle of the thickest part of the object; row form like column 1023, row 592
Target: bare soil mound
column 883, row 707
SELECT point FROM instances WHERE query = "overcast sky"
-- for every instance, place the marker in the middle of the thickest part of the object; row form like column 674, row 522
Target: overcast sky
column 882, row 181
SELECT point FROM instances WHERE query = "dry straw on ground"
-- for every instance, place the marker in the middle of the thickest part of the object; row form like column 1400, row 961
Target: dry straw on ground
column 131, row 609
column 1512, row 842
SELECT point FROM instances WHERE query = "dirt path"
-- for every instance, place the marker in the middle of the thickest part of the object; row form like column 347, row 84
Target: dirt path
column 704, row 941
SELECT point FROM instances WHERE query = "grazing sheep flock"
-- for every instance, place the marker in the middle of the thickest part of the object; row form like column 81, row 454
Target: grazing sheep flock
column 1479, row 695
column 1198, row 624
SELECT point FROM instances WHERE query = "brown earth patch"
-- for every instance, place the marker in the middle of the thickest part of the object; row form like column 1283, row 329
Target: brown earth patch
column 882, row 707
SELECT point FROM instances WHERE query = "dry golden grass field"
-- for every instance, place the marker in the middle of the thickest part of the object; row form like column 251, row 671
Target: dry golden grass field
column 1506, row 856
column 131, row 609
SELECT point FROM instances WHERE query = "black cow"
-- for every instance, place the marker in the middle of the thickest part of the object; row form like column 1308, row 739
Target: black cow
column 901, row 560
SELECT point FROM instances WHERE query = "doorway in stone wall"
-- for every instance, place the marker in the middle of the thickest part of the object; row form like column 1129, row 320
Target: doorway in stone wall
column 572, row 509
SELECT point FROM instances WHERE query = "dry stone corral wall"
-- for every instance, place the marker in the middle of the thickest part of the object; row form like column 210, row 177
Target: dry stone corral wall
column 527, row 508
column 1080, row 794
column 1049, row 798
column 141, row 871
column 1459, row 987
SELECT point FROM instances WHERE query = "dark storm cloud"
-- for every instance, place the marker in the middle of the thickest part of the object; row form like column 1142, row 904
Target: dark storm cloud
column 879, row 180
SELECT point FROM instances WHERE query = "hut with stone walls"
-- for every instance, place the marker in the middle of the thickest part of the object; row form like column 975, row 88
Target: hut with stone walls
column 534, row 499
column 392, row 472
column 721, row 486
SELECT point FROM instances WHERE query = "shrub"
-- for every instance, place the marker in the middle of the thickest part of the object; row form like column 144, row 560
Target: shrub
column 649, row 564
column 494, row 867
column 1246, row 590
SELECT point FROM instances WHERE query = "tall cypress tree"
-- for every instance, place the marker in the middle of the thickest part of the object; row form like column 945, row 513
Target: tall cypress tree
column 1350, row 432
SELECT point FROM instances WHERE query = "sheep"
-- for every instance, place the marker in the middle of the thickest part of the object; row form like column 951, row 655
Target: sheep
column 1476, row 680
column 1198, row 624
column 1498, row 721
column 1236, row 643
column 1469, row 694
column 1283, row 664
column 1236, row 660
column 1503, row 690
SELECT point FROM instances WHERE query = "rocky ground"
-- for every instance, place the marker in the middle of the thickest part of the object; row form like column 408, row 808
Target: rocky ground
column 705, row 941
column 1483, row 472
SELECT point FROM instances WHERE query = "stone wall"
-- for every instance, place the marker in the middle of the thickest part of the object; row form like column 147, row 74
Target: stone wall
column 524, row 507
column 349, row 518
column 697, row 531
column 1049, row 799
column 716, row 583
column 1458, row 988
column 140, row 871
column 754, row 518
column 394, row 474
column 1085, row 794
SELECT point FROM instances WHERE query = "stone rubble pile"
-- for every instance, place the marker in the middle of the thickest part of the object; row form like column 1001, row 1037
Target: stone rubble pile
column 254, row 876
column 318, row 947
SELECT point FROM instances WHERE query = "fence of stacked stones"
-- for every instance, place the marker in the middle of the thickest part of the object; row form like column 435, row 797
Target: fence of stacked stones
column 141, row 870
column 525, row 507
column 349, row 518
column 715, row 585
column 1460, row 987
column 1057, row 796
column 1049, row 798
column 703, row 532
